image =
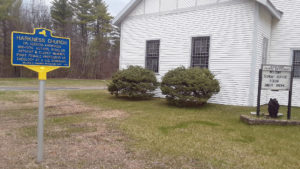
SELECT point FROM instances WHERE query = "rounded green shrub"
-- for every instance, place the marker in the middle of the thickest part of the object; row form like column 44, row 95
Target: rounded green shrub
column 134, row 82
column 189, row 87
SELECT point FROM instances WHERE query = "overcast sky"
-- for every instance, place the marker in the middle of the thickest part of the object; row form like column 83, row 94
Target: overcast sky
column 114, row 6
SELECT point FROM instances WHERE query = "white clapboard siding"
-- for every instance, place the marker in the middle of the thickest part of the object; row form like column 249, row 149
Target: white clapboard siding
column 223, row 0
column 285, row 37
column 230, row 27
column 186, row 3
column 168, row 5
column 152, row 6
column 206, row 2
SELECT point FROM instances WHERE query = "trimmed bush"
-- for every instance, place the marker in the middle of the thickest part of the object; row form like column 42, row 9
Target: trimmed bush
column 134, row 82
column 189, row 87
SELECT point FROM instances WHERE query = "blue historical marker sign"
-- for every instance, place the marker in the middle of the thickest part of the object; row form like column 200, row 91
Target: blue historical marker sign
column 41, row 52
column 40, row 49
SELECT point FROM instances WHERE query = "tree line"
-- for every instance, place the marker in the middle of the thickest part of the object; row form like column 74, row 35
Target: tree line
column 94, row 40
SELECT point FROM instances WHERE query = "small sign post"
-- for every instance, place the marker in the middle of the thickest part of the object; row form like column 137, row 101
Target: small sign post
column 290, row 96
column 275, row 78
column 41, row 52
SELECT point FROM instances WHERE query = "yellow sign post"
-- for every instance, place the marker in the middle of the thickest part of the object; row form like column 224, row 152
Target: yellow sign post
column 41, row 52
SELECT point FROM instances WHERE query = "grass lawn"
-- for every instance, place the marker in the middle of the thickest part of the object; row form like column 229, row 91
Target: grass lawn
column 212, row 136
column 33, row 82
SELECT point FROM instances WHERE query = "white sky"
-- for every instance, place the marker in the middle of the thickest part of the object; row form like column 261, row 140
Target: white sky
column 114, row 6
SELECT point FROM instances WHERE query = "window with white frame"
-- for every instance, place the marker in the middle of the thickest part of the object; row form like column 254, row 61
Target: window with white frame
column 152, row 55
column 296, row 63
column 265, row 51
column 200, row 52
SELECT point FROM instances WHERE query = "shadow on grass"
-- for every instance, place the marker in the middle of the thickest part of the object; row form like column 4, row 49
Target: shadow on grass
column 182, row 125
column 127, row 98
column 245, row 139
column 185, row 105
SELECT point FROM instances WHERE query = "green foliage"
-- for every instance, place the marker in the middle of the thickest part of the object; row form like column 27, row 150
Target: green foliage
column 8, row 7
column 61, row 13
column 184, row 87
column 83, row 18
column 102, row 25
column 10, row 20
column 82, row 9
column 92, row 16
column 93, row 27
column 134, row 82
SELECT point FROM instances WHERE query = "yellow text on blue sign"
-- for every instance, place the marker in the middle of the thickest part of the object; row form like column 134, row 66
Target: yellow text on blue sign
column 40, row 51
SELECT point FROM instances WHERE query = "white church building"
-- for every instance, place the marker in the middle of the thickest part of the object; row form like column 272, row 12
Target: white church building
column 232, row 38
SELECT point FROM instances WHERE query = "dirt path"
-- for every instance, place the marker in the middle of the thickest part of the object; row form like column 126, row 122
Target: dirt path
column 67, row 144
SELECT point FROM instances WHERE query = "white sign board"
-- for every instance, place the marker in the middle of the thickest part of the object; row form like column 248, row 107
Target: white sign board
column 276, row 77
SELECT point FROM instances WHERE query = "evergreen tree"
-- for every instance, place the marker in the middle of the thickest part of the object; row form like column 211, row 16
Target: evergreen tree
column 99, row 48
column 84, row 18
column 9, row 20
column 102, row 25
column 8, row 8
column 61, row 13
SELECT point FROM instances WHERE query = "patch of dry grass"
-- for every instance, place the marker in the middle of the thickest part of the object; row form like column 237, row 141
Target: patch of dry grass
column 76, row 136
